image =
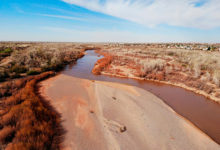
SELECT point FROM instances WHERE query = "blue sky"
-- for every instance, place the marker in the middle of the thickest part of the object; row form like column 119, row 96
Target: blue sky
column 110, row 20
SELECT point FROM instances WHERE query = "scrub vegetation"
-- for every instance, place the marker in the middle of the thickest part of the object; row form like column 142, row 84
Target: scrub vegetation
column 195, row 69
column 18, row 60
column 27, row 121
column 102, row 64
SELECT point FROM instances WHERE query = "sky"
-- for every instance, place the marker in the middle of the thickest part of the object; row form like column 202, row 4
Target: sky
column 110, row 20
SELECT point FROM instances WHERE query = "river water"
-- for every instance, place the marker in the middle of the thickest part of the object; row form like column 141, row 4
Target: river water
column 199, row 110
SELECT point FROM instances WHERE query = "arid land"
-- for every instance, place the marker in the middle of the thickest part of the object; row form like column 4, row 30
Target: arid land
column 195, row 70
column 26, row 120
column 29, row 120
column 104, row 115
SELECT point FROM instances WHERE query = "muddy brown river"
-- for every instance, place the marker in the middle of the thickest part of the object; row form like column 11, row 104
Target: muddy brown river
column 199, row 110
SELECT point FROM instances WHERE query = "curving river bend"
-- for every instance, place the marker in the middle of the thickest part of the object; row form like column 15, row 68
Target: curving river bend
column 201, row 111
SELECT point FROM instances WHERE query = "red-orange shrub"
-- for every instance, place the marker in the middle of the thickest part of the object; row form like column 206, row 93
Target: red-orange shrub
column 101, row 64
column 30, row 122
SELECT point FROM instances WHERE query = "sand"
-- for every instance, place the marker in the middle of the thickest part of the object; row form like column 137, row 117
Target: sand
column 109, row 116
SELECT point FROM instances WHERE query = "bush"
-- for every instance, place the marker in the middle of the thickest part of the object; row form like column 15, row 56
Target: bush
column 40, row 56
column 150, row 65
column 101, row 64
column 7, row 51
column 18, row 69
column 32, row 72
column 216, row 78
column 170, row 53
column 3, row 75
column 30, row 122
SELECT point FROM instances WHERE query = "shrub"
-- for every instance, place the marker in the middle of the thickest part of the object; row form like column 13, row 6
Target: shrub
column 197, row 70
column 150, row 65
column 44, row 56
column 32, row 72
column 170, row 53
column 18, row 69
column 101, row 64
column 216, row 78
column 7, row 51
column 30, row 122
column 206, row 77
column 3, row 75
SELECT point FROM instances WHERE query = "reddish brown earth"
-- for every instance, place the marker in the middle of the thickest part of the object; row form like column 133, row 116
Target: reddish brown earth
column 103, row 115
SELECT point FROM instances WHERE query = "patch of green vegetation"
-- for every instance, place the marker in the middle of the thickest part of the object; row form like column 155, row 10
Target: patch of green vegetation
column 7, row 51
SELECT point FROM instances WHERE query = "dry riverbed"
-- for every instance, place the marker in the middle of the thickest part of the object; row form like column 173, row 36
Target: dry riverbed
column 104, row 115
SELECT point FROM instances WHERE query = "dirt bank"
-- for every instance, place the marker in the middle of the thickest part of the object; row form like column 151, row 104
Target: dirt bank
column 102, row 115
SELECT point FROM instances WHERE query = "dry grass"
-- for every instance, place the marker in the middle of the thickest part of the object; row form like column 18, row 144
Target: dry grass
column 199, row 64
column 35, row 58
column 194, row 68
column 28, row 122
column 151, row 65
column 216, row 77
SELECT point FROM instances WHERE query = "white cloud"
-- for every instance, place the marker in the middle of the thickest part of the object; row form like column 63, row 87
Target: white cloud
column 62, row 17
column 80, row 17
column 202, row 14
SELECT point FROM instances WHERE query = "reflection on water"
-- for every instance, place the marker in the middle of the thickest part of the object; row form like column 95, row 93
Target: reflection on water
column 202, row 112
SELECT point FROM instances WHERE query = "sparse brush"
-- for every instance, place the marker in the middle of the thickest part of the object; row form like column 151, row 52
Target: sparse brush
column 197, row 70
column 194, row 68
column 206, row 77
column 37, row 56
column 150, row 65
column 168, row 70
column 216, row 77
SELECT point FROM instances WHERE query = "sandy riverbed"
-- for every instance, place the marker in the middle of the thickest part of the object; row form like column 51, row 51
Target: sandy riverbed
column 111, row 116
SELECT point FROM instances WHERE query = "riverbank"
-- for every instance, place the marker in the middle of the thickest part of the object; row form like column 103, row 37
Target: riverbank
column 181, row 85
column 104, row 115
column 173, row 67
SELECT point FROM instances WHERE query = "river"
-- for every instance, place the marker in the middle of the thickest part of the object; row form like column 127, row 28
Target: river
column 199, row 110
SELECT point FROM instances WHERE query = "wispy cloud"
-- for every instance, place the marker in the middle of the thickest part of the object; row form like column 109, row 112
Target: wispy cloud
column 80, row 17
column 62, row 17
column 202, row 14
